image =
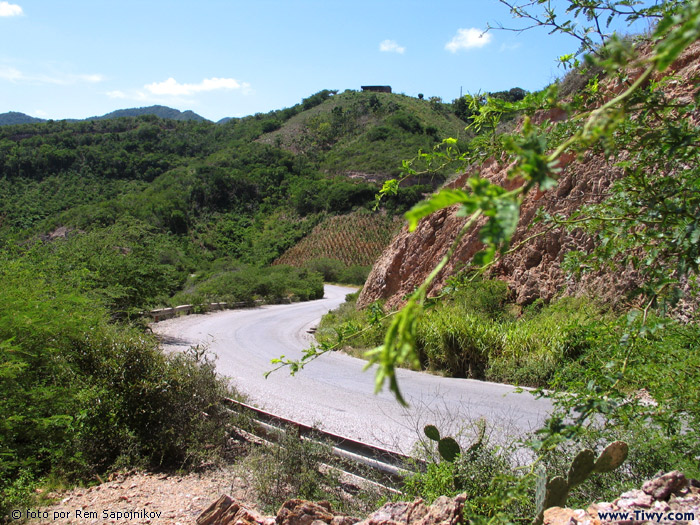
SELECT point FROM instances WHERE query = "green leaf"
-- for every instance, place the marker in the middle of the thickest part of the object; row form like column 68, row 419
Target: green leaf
column 443, row 199
column 686, row 30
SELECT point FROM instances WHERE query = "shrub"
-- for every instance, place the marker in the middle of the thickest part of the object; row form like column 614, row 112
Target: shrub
column 379, row 133
column 355, row 274
column 329, row 268
column 302, row 467
column 234, row 282
column 406, row 121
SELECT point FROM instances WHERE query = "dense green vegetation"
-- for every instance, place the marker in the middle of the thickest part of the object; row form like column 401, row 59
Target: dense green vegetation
column 81, row 394
column 570, row 345
column 236, row 282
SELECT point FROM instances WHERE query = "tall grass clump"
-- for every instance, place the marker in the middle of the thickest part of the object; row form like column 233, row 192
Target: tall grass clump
column 544, row 338
column 296, row 466
column 351, row 328
column 475, row 332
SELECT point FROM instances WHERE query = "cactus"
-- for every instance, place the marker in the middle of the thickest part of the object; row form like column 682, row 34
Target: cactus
column 479, row 441
column 612, row 457
column 555, row 491
column 432, row 432
column 540, row 491
column 581, row 467
column 448, row 448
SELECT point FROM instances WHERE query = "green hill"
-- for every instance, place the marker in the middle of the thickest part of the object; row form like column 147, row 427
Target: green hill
column 247, row 189
column 159, row 111
column 15, row 117
column 365, row 134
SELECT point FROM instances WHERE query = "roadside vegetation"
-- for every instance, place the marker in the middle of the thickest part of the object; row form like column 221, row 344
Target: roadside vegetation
column 82, row 395
column 293, row 467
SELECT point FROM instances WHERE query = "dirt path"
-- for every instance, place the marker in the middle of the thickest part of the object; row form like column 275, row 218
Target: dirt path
column 148, row 497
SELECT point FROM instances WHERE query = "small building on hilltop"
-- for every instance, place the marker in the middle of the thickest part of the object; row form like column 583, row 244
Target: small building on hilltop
column 377, row 89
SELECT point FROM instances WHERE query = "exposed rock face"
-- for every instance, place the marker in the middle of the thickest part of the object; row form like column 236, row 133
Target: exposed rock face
column 444, row 511
column 227, row 510
column 534, row 270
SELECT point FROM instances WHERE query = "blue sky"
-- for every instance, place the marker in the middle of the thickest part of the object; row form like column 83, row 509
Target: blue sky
column 231, row 58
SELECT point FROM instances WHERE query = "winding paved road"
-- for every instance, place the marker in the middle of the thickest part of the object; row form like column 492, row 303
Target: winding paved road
column 333, row 392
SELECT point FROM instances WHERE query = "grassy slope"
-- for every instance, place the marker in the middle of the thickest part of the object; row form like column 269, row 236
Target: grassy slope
column 372, row 141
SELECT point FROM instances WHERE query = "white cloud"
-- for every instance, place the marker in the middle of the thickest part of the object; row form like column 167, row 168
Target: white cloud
column 117, row 94
column 510, row 47
column 40, row 113
column 467, row 39
column 390, row 46
column 8, row 9
column 171, row 91
column 57, row 78
column 172, row 87
column 92, row 79
column 10, row 73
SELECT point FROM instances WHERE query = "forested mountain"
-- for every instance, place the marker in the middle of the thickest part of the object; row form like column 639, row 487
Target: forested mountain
column 187, row 193
column 15, row 117
column 159, row 111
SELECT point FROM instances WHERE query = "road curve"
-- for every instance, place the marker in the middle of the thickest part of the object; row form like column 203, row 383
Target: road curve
column 333, row 392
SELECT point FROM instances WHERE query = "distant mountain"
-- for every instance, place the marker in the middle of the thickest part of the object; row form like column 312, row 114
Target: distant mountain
column 15, row 117
column 158, row 111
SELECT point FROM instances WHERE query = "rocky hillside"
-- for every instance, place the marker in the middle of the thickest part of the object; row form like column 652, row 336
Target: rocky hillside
column 533, row 270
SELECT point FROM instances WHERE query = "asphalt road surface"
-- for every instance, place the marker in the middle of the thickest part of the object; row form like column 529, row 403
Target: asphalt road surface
column 333, row 392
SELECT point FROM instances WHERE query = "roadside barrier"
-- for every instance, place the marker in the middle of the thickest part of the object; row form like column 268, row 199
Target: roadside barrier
column 161, row 314
column 391, row 466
